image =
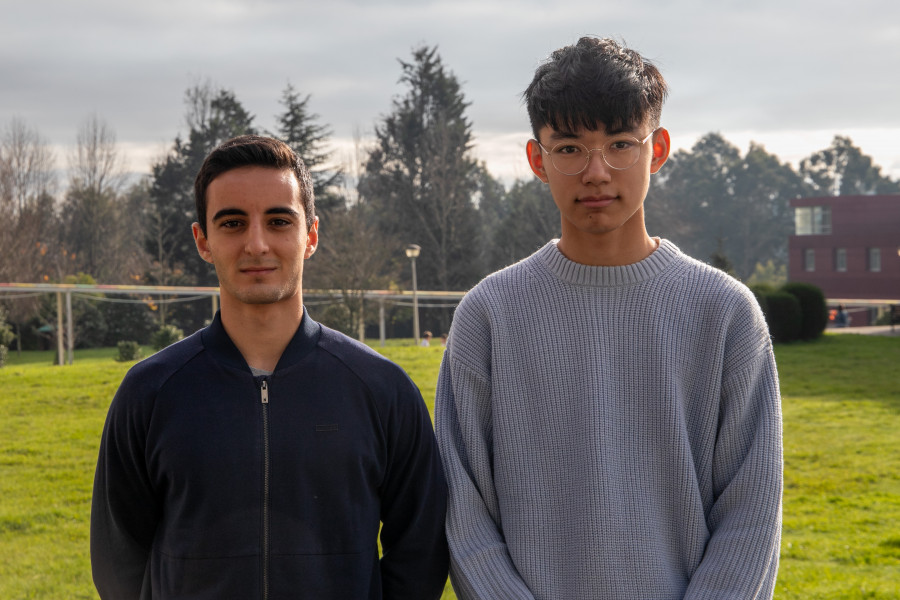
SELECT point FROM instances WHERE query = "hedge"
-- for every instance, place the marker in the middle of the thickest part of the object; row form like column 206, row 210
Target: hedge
column 795, row 311
column 813, row 307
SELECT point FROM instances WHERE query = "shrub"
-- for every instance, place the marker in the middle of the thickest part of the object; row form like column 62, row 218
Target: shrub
column 6, row 337
column 128, row 321
column 89, row 324
column 6, row 333
column 337, row 316
column 812, row 307
column 884, row 318
column 166, row 336
column 784, row 316
column 35, row 334
column 128, row 351
column 761, row 290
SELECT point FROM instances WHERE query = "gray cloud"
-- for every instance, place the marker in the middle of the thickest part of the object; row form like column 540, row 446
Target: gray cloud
column 763, row 67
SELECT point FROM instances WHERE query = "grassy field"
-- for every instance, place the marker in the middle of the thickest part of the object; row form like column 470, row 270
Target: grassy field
column 842, row 466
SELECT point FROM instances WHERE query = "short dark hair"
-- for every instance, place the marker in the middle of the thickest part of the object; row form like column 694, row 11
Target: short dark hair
column 253, row 151
column 592, row 83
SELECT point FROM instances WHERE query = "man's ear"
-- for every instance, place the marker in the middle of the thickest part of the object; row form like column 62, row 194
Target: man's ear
column 312, row 239
column 661, row 146
column 536, row 159
column 202, row 243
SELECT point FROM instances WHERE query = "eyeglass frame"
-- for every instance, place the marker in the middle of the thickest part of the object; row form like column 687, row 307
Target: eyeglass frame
column 591, row 150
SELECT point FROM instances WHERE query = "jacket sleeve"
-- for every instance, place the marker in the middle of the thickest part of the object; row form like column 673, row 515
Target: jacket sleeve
column 741, row 557
column 124, row 512
column 480, row 563
column 414, row 559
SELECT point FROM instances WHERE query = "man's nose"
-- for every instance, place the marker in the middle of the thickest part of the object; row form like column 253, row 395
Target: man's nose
column 257, row 242
column 596, row 169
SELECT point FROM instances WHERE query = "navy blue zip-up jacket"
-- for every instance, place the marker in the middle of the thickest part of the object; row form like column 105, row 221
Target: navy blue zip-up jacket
column 213, row 483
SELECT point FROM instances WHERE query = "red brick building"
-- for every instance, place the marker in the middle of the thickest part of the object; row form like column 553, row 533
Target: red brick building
column 849, row 246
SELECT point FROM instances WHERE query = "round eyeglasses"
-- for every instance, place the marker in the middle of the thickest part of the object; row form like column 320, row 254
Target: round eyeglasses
column 620, row 153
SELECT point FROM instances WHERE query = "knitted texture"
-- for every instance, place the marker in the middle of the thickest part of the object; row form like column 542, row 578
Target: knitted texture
column 611, row 432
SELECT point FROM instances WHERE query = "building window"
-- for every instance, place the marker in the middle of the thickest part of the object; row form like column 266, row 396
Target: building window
column 840, row 259
column 809, row 259
column 874, row 259
column 812, row 220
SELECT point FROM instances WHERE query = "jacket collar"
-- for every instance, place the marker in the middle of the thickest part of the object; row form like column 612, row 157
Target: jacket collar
column 216, row 342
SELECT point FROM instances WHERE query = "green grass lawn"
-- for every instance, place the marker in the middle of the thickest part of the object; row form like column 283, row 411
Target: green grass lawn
column 841, row 403
column 842, row 466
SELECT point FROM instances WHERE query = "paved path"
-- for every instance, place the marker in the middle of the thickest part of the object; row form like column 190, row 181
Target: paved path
column 873, row 330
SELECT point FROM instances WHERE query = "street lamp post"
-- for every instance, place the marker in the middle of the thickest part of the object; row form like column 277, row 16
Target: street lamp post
column 412, row 251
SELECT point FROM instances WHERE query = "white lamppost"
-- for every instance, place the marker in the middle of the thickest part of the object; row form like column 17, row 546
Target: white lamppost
column 412, row 251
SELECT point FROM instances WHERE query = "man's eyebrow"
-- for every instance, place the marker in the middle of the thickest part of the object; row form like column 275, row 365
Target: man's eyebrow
column 562, row 135
column 282, row 210
column 229, row 212
column 557, row 135
column 237, row 212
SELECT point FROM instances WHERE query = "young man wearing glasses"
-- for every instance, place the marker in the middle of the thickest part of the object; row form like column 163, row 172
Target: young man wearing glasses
column 608, row 409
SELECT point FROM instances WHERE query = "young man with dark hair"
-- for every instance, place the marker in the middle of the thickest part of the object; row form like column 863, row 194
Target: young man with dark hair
column 608, row 409
column 258, row 457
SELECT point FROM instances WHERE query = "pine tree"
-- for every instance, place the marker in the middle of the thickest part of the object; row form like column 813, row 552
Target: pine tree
column 420, row 179
column 298, row 128
column 213, row 116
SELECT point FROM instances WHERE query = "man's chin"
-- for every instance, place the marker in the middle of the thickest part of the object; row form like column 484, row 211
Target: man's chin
column 261, row 296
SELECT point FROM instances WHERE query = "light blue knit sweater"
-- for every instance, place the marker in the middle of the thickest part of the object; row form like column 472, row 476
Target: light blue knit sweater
column 611, row 432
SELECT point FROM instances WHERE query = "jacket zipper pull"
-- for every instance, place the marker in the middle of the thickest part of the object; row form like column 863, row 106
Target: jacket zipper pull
column 265, row 392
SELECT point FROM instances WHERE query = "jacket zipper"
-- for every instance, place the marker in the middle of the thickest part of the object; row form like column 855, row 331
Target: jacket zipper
column 264, row 397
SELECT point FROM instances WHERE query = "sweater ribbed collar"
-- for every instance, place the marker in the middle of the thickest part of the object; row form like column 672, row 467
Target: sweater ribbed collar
column 579, row 274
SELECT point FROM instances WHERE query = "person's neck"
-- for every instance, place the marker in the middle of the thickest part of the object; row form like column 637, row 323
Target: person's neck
column 610, row 249
column 261, row 332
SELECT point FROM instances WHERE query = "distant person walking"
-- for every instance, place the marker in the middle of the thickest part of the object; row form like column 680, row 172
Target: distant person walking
column 841, row 319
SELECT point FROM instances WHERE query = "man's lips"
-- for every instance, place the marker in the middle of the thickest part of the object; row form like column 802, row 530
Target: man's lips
column 257, row 270
column 596, row 201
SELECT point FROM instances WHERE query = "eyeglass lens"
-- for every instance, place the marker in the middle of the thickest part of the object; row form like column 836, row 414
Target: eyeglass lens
column 571, row 158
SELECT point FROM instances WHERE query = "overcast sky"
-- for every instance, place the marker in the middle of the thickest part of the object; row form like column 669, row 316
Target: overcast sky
column 789, row 74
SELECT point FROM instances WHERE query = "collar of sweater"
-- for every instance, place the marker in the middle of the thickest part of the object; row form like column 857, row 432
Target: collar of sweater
column 576, row 273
